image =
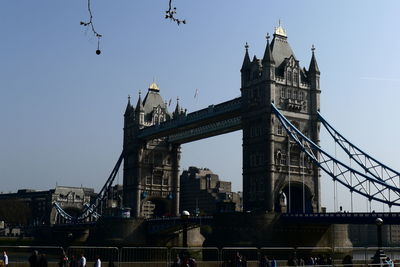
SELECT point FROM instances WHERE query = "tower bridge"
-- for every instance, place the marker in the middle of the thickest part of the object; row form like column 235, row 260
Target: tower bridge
column 278, row 113
column 152, row 136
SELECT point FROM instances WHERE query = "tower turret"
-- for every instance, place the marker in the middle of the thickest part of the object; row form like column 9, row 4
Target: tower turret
column 268, row 62
column 315, row 91
column 245, row 70
column 178, row 110
column 313, row 69
column 140, row 110
column 129, row 108
column 314, row 74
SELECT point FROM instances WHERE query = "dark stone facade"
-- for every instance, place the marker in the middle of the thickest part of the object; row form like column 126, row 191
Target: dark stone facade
column 151, row 168
column 273, row 166
column 277, row 177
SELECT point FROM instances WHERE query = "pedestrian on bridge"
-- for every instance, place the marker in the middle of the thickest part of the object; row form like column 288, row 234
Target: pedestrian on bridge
column 73, row 262
column 63, row 260
column 264, row 261
column 5, row 259
column 177, row 261
column 43, row 261
column 82, row 261
column 34, row 259
column 98, row 262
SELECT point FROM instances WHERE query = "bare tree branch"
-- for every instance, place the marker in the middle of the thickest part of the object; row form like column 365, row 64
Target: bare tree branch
column 170, row 14
column 91, row 25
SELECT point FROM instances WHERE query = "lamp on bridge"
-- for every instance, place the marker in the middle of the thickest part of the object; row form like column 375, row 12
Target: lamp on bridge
column 185, row 217
column 379, row 256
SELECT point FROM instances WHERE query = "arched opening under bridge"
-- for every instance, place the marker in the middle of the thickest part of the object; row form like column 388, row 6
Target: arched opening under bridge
column 298, row 201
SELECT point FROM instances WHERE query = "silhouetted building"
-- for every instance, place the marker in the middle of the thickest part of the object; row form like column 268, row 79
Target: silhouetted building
column 29, row 207
column 203, row 193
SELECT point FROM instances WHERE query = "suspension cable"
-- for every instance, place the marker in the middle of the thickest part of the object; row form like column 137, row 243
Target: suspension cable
column 322, row 158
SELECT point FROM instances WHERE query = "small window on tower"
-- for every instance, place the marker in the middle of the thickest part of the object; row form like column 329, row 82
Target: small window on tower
column 301, row 96
column 283, row 159
column 165, row 181
column 148, row 180
column 289, row 76
column 294, row 94
column 157, row 179
column 280, row 132
column 289, row 93
column 296, row 77
column 283, row 92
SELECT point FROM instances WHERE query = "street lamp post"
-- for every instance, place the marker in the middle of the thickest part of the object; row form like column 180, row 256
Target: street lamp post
column 380, row 255
column 185, row 216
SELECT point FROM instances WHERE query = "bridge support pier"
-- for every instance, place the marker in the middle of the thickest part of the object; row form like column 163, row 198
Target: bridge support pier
column 268, row 229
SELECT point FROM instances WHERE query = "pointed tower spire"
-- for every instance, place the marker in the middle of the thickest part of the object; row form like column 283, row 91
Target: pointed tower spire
column 140, row 110
column 176, row 113
column 139, row 105
column 246, row 60
column 268, row 54
column 313, row 63
column 129, row 107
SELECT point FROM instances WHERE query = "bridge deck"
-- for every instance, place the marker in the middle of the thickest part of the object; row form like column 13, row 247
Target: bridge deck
column 342, row 217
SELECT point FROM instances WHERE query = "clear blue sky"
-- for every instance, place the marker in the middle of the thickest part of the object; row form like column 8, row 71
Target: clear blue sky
column 61, row 106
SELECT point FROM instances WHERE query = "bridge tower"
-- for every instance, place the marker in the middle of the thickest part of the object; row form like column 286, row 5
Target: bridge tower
column 151, row 167
column 276, row 175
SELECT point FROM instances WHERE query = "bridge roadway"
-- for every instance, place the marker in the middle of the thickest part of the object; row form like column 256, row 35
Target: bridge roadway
column 164, row 224
column 342, row 217
column 173, row 224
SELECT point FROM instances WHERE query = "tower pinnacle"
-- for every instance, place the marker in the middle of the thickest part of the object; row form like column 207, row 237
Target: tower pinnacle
column 268, row 54
column 139, row 105
column 280, row 30
column 313, row 63
column 246, row 60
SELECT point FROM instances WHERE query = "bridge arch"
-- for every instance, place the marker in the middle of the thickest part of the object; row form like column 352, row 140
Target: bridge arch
column 299, row 201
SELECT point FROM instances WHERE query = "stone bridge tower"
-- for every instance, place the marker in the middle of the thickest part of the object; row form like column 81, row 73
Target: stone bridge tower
column 276, row 175
column 151, row 167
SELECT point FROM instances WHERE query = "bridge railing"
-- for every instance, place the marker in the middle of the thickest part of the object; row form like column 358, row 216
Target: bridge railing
column 143, row 256
column 107, row 255
column 279, row 254
column 231, row 255
column 204, row 256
